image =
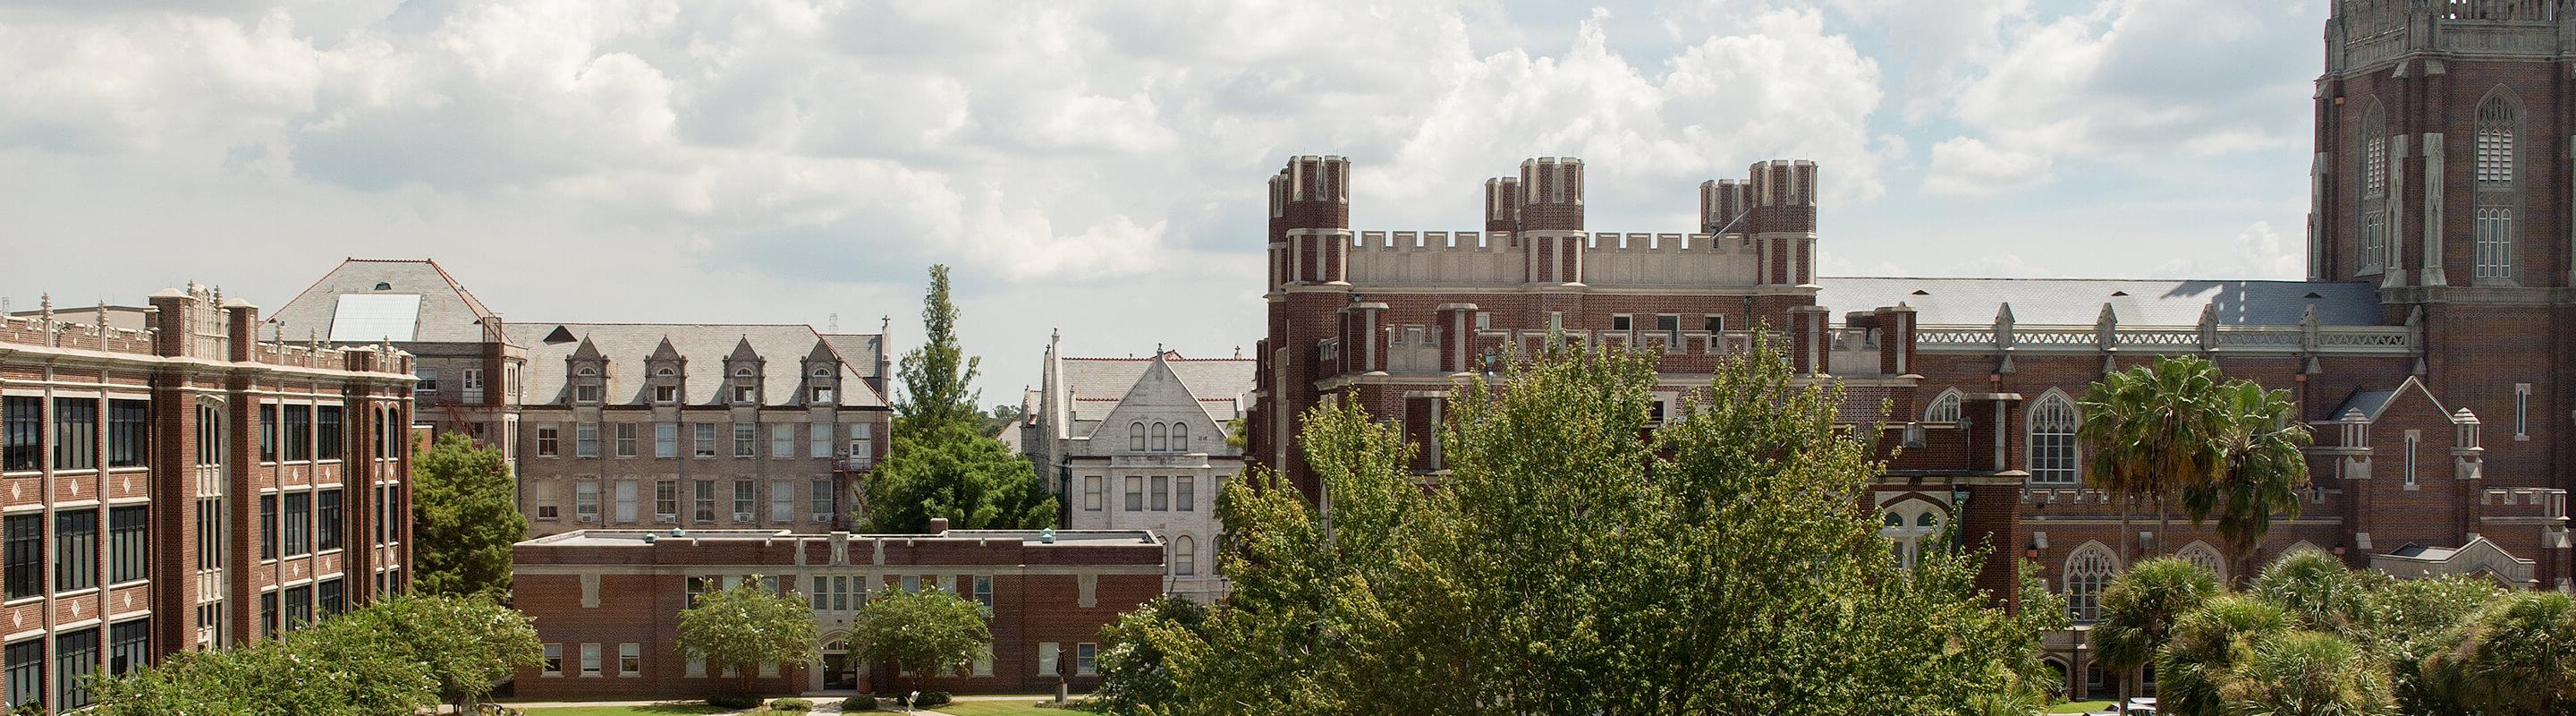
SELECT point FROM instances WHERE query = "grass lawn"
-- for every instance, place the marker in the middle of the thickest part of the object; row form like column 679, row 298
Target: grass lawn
column 653, row 710
column 2077, row 707
column 1014, row 707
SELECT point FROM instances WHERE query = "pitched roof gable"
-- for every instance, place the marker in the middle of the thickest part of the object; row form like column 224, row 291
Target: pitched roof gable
column 446, row 313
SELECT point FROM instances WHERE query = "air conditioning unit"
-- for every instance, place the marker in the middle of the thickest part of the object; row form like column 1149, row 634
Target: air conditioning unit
column 587, row 518
column 822, row 517
column 666, row 519
column 742, row 517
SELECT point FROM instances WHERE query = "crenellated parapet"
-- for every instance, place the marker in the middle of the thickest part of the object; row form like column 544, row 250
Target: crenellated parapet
column 2365, row 33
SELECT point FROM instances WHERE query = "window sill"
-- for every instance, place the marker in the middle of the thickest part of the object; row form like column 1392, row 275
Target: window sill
column 59, row 472
column 129, row 583
column 23, row 600
column 76, row 593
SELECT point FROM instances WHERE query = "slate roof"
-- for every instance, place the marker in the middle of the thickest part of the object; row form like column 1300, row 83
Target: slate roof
column 1098, row 384
column 2372, row 403
column 2061, row 301
column 860, row 350
column 704, row 345
column 447, row 314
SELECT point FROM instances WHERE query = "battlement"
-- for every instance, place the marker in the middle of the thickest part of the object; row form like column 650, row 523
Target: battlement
column 1551, row 194
column 1502, row 203
column 2363, row 34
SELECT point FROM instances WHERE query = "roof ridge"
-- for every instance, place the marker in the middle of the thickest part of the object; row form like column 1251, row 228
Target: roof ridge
column 2079, row 278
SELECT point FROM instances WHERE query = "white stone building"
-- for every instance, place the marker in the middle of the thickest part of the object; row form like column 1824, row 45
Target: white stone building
column 1140, row 444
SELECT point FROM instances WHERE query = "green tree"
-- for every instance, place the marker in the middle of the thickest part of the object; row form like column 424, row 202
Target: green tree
column 2146, row 433
column 469, row 644
column 2308, row 673
column 2515, row 656
column 2261, row 464
column 930, row 631
column 2318, row 592
column 465, row 517
column 2199, row 660
column 1565, row 566
column 340, row 667
column 2419, row 618
column 1004, row 416
column 1133, row 678
column 2139, row 609
column 942, row 461
column 746, row 626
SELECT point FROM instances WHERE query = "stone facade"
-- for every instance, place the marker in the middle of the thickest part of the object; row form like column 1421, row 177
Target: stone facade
column 1140, row 443
column 187, row 485
column 599, row 595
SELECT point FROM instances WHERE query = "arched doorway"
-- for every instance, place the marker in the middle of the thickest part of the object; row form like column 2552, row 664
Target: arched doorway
column 840, row 669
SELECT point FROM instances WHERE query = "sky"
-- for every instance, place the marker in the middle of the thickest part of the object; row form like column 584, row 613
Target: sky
column 1098, row 168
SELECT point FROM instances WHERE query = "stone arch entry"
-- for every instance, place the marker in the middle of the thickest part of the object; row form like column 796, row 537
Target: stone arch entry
column 841, row 669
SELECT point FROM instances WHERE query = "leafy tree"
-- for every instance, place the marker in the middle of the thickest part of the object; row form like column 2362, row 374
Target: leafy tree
column 2419, row 618
column 1004, row 416
column 2147, row 433
column 747, row 626
column 2308, row 673
column 1566, row 566
column 930, row 630
column 2261, row 464
column 469, row 644
column 2139, row 609
column 1234, row 437
column 337, row 668
column 2044, row 612
column 1133, row 677
column 465, row 517
column 2515, row 656
column 943, row 462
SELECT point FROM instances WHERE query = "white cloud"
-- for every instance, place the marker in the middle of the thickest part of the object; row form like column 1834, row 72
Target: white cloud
column 1967, row 166
column 2260, row 252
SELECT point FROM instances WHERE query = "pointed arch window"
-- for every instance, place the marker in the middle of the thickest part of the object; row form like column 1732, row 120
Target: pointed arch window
column 2087, row 571
column 1944, row 409
column 2201, row 555
column 2495, row 142
column 2374, row 154
column 2053, row 454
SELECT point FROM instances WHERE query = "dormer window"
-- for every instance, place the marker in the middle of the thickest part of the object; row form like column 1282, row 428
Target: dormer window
column 823, row 394
column 585, row 387
column 666, row 394
column 744, row 390
column 666, row 372
column 822, row 371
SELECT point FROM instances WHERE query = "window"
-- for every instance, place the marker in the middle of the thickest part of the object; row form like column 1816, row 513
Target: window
column 585, row 500
column 984, row 592
column 128, row 433
column 782, row 440
column 1944, row 409
column 1135, row 493
column 909, row 583
column 1162, row 437
column 1136, row 437
column 818, row 496
column 268, row 432
column 1670, row 324
column 26, row 672
column 1162, row 493
column 1623, row 322
column 1909, row 529
column 268, row 614
column 585, row 440
column 554, row 660
column 75, row 433
column 821, row 394
column 1047, row 653
column 326, row 428
column 1086, row 659
column 2087, row 571
column 818, row 440
column 297, row 432
column 428, row 381
column 326, row 518
column 706, row 439
column 549, row 441
column 1091, row 493
column 129, row 646
column 2201, row 555
column 2495, row 143
column 586, row 393
column 210, row 533
column 1087, row 590
column 473, row 380
column 2052, row 440
column 1185, row 557
column 22, row 561
column 75, row 550
column 630, row 659
column 746, row 440
column 1713, row 323
column 2374, row 154
column 625, row 495
column 1185, row 493
column 590, row 659
column 2494, row 248
column 128, row 550
column 743, row 501
column 1181, row 437
column 268, row 527
column 666, row 501
column 328, row 593
column 2412, row 438
column 299, row 523
column 2522, row 411
column 75, row 659
column 1484, row 321
column 863, row 442
column 542, row 495
column 782, row 501
column 666, row 439
column 25, row 420
column 666, row 394
column 706, row 511
column 2374, row 242
column 299, row 607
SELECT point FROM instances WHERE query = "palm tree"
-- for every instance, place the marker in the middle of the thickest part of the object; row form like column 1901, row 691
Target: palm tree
column 2260, row 466
column 2200, row 658
column 2149, row 433
column 2308, row 673
column 2318, row 592
column 2518, row 655
column 2139, row 610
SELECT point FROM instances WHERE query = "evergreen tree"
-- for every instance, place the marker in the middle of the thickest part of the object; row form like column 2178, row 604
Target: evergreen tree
column 942, row 463
column 465, row 517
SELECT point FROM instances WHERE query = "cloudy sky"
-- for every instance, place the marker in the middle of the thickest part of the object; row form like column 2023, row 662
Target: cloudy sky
column 1098, row 166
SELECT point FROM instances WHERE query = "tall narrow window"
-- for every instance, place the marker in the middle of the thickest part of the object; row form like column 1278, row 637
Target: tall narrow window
column 585, row 440
column 2052, row 440
column 746, row 440
column 666, row 501
column 1185, row 493
column 268, row 432
column 75, row 433
column 706, row 509
column 2412, row 438
column 1136, row 437
column 2495, row 143
column 25, row 428
column 75, row 550
column 818, row 440
column 782, row 501
column 127, row 543
column 298, row 432
column 1162, row 436
column 1181, row 437
column 326, row 519
column 626, row 440
column 1185, row 556
column 128, row 646
column 705, row 444
column 326, row 433
column 2087, row 571
column 2522, row 411
column 1162, row 493
column 24, row 558
column 625, row 500
column 128, row 432
column 26, row 665
column 1091, row 493
column 1135, row 493
column 550, row 442
column 585, row 500
column 75, row 659
column 268, row 527
column 2494, row 237
column 782, row 440
column 299, row 524
column 818, row 495
column 743, row 500
column 666, row 439
column 2374, row 155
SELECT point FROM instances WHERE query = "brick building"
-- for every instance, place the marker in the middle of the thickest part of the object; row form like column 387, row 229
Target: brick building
column 607, row 603
column 182, row 484
column 701, row 425
column 1140, row 443
column 2424, row 350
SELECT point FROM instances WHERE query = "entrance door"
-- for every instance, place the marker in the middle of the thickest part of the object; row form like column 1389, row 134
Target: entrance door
column 839, row 672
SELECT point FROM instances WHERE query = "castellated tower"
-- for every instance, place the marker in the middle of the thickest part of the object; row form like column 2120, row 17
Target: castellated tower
column 1310, row 221
column 1782, row 220
column 1551, row 219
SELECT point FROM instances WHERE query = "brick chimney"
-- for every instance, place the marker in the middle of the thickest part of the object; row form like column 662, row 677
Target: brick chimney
column 938, row 525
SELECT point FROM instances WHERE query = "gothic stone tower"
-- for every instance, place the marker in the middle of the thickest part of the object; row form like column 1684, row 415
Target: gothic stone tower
column 2442, row 175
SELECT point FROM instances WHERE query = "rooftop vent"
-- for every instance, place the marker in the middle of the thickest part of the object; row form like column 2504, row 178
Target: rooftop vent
column 382, row 286
column 2119, row 293
column 2312, row 294
column 1921, row 292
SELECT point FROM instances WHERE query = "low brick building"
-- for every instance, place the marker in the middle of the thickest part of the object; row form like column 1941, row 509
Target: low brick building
column 607, row 603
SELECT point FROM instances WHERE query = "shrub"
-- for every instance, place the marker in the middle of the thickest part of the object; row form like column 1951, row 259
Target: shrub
column 859, row 703
column 791, row 704
column 931, row 699
column 734, row 701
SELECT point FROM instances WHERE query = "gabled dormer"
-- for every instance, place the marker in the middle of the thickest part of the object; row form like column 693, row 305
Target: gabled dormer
column 666, row 374
column 586, row 374
column 1159, row 414
column 822, row 371
column 743, row 374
